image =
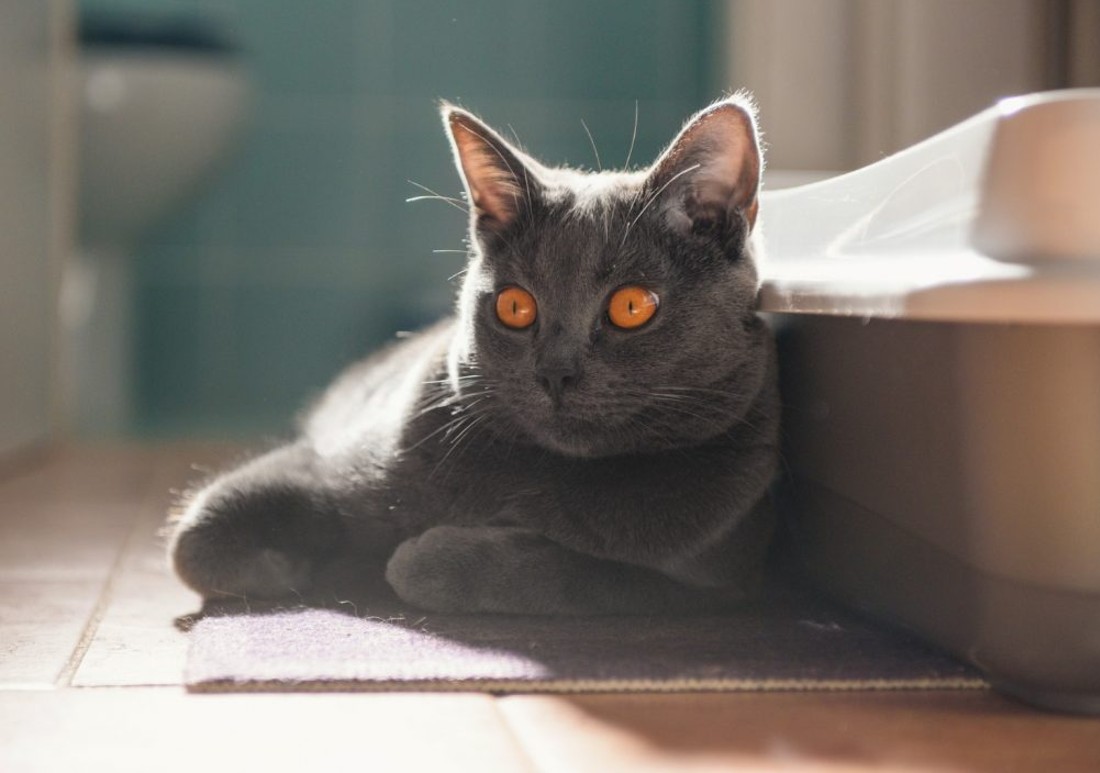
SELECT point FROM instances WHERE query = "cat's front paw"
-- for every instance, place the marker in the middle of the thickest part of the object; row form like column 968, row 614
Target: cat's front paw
column 436, row 571
column 496, row 569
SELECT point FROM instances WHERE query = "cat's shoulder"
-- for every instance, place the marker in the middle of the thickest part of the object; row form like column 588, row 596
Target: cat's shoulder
column 390, row 375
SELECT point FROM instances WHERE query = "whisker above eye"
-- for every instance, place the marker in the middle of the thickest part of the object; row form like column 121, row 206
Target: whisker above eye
column 592, row 141
column 633, row 137
column 454, row 202
column 653, row 198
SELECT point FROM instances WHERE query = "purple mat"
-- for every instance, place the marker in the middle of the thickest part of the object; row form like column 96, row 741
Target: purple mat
column 789, row 642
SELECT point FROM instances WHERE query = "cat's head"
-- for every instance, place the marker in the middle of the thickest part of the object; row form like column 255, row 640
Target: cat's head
column 613, row 312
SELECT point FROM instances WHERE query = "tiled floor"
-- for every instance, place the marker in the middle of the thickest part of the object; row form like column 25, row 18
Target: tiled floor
column 90, row 669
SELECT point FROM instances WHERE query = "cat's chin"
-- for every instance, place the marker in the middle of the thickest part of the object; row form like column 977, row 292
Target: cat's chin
column 570, row 446
column 579, row 440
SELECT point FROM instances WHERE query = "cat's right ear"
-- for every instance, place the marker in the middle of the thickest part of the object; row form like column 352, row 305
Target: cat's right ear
column 499, row 179
column 711, row 171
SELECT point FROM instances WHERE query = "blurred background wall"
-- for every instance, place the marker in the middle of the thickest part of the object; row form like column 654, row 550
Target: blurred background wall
column 299, row 252
column 841, row 83
column 37, row 143
column 305, row 254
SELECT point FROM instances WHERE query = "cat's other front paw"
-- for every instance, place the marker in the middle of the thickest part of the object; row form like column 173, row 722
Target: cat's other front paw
column 215, row 566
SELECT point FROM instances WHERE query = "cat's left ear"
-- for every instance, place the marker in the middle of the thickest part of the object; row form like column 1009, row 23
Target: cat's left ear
column 711, row 171
column 500, row 179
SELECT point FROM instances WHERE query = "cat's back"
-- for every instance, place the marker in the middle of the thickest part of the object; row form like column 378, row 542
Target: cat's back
column 370, row 400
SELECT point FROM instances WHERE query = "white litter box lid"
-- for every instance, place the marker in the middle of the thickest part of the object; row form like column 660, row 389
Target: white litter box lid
column 996, row 219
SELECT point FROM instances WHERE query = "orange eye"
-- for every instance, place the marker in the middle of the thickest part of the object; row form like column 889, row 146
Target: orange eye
column 516, row 307
column 632, row 307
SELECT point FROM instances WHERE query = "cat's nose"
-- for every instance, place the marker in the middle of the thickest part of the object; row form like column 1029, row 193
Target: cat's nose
column 556, row 379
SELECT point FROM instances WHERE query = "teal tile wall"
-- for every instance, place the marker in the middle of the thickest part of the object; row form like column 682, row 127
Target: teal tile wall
column 303, row 254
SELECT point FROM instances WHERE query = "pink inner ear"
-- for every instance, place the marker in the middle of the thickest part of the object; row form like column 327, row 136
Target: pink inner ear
column 722, row 142
column 492, row 183
column 725, row 146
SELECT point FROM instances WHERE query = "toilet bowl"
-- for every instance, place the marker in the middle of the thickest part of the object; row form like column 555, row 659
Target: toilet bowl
column 160, row 104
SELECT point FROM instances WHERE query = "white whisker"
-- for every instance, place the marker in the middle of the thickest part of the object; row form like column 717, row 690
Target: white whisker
column 592, row 142
column 457, row 442
column 633, row 136
column 456, row 203
column 653, row 198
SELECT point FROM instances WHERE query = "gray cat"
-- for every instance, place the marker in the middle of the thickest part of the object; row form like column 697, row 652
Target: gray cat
column 593, row 432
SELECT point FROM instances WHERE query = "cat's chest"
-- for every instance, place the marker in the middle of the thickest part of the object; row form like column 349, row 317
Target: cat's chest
column 451, row 455
column 482, row 477
column 457, row 471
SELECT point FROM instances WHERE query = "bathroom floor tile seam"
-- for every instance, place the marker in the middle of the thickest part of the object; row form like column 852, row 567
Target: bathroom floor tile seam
column 90, row 654
column 56, row 595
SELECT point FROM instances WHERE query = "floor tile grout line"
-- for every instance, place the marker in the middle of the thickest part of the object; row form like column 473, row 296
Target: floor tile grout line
column 148, row 499
column 9, row 688
column 103, row 601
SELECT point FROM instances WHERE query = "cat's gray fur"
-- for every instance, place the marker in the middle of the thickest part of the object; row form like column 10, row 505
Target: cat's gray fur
column 570, row 467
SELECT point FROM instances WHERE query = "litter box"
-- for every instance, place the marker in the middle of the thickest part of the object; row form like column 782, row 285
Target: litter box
column 938, row 314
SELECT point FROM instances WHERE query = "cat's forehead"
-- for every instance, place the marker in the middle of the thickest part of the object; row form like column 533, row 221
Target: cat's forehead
column 584, row 241
column 594, row 206
column 595, row 190
column 582, row 238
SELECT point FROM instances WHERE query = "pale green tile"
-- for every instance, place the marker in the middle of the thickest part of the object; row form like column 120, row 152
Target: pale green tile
column 303, row 254
column 303, row 47
column 301, row 188
column 168, row 350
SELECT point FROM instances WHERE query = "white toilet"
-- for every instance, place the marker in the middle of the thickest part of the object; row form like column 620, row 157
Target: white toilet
column 159, row 106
